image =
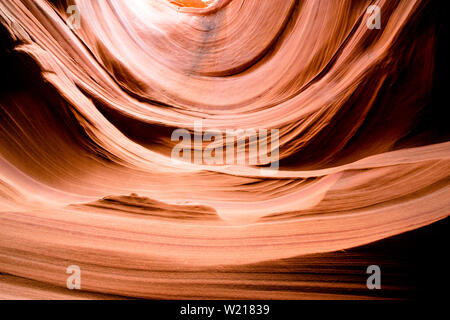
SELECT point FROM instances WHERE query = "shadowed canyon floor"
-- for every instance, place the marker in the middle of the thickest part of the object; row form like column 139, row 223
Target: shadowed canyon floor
column 411, row 266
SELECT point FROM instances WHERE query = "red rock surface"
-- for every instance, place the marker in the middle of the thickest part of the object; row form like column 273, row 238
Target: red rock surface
column 88, row 116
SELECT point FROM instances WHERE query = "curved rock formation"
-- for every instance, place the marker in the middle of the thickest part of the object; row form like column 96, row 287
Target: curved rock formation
column 88, row 117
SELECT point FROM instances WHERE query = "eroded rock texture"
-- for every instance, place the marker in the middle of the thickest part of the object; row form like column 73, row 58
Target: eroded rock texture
column 87, row 113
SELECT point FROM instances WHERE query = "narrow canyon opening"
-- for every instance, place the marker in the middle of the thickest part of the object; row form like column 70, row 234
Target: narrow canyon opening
column 191, row 3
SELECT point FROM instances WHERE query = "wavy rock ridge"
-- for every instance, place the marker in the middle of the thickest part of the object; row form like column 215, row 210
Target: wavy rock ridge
column 89, row 118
